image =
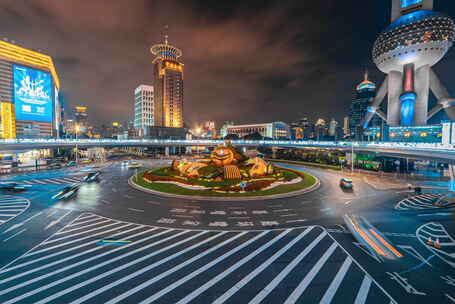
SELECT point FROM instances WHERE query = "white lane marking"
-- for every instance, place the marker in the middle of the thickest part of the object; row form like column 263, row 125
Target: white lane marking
column 72, row 241
column 2, row 269
column 296, row 221
column 137, row 273
column 68, row 250
column 137, row 210
column 330, row 292
column 450, row 298
column 79, row 228
column 77, row 286
column 232, row 268
column 71, row 180
column 154, row 203
column 172, row 270
column 89, row 215
column 289, row 215
column 300, row 289
column 50, row 285
column 348, row 202
column 38, row 181
column 363, row 290
column 10, row 210
column 271, row 286
column 174, row 285
column 57, row 221
column 52, row 213
column 83, row 222
column 47, row 265
column 17, row 233
column 105, row 202
column 259, row 269
column 53, row 181
column 183, row 216
column 18, row 203
column 23, row 222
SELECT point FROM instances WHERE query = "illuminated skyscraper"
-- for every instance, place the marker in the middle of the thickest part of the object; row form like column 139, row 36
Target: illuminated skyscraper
column 29, row 93
column 143, row 107
column 364, row 96
column 168, row 85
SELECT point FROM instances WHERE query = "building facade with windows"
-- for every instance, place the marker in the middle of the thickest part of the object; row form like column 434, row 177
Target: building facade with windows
column 275, row 130
column 144, row 107
column 168, row 85
column 29, row 93
column 364, row 95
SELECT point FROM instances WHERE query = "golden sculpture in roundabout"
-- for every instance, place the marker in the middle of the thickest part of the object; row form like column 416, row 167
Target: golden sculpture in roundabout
column 226, row 170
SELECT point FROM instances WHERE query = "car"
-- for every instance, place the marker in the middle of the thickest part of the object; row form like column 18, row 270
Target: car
column 92, row 176
column 71, row 164
column 67, row 192
column 125, row 163
column 133, row 165
column 13, row 187
column 346, row 183
column 86, row 161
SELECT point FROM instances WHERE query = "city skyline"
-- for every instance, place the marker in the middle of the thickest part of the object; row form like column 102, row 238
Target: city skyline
column 103, row 72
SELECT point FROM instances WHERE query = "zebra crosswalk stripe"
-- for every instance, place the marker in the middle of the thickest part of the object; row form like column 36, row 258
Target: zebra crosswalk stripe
column 202, row 269
column 265, row 292
column 330, row 293
column 65, row 251
column 300, row 289
column 363, row 291
column 50, row 285
column 259, row 269
column 219, row 277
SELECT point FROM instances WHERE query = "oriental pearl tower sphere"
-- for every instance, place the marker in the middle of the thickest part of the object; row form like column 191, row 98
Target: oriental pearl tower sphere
column 417, row 39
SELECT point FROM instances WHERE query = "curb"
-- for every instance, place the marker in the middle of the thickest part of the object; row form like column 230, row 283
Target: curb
column 314, row 187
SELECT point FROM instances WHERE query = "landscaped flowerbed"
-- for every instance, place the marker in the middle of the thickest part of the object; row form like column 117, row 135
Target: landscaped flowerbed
column 282, row 181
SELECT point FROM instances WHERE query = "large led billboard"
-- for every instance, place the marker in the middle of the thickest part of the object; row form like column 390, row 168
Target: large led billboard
column 32, row 94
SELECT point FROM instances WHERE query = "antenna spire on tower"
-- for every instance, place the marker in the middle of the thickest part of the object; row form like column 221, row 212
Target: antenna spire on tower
column 166, row 36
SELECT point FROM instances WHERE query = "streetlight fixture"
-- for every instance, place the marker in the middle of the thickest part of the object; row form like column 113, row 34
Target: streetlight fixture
column 77, row 148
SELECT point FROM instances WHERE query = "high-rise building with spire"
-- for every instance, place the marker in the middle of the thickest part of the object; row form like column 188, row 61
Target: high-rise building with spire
column 363, row 97
column 168, row 85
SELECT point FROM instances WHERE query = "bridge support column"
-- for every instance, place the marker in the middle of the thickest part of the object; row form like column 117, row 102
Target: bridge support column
column 166, row 151
column 452, row 180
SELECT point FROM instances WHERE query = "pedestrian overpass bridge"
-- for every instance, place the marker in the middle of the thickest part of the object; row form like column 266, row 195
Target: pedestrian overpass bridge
column 430, row 151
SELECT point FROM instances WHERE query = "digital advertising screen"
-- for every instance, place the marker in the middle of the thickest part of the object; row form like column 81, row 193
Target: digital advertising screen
column 32, row 94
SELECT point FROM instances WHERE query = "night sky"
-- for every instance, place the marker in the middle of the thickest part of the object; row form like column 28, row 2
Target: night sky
column 246, row 61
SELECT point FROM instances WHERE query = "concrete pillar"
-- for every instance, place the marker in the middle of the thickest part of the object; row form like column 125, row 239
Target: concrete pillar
column 394, row 105
column 452, row 179
column 422, row 89
column 166, row 151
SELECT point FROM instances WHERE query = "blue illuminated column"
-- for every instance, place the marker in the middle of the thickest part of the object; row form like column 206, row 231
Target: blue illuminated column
column 406, row 3
column 408, row 97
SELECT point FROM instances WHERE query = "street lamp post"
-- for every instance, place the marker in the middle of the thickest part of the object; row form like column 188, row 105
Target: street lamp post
column 77, row 148
column 352, row 156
